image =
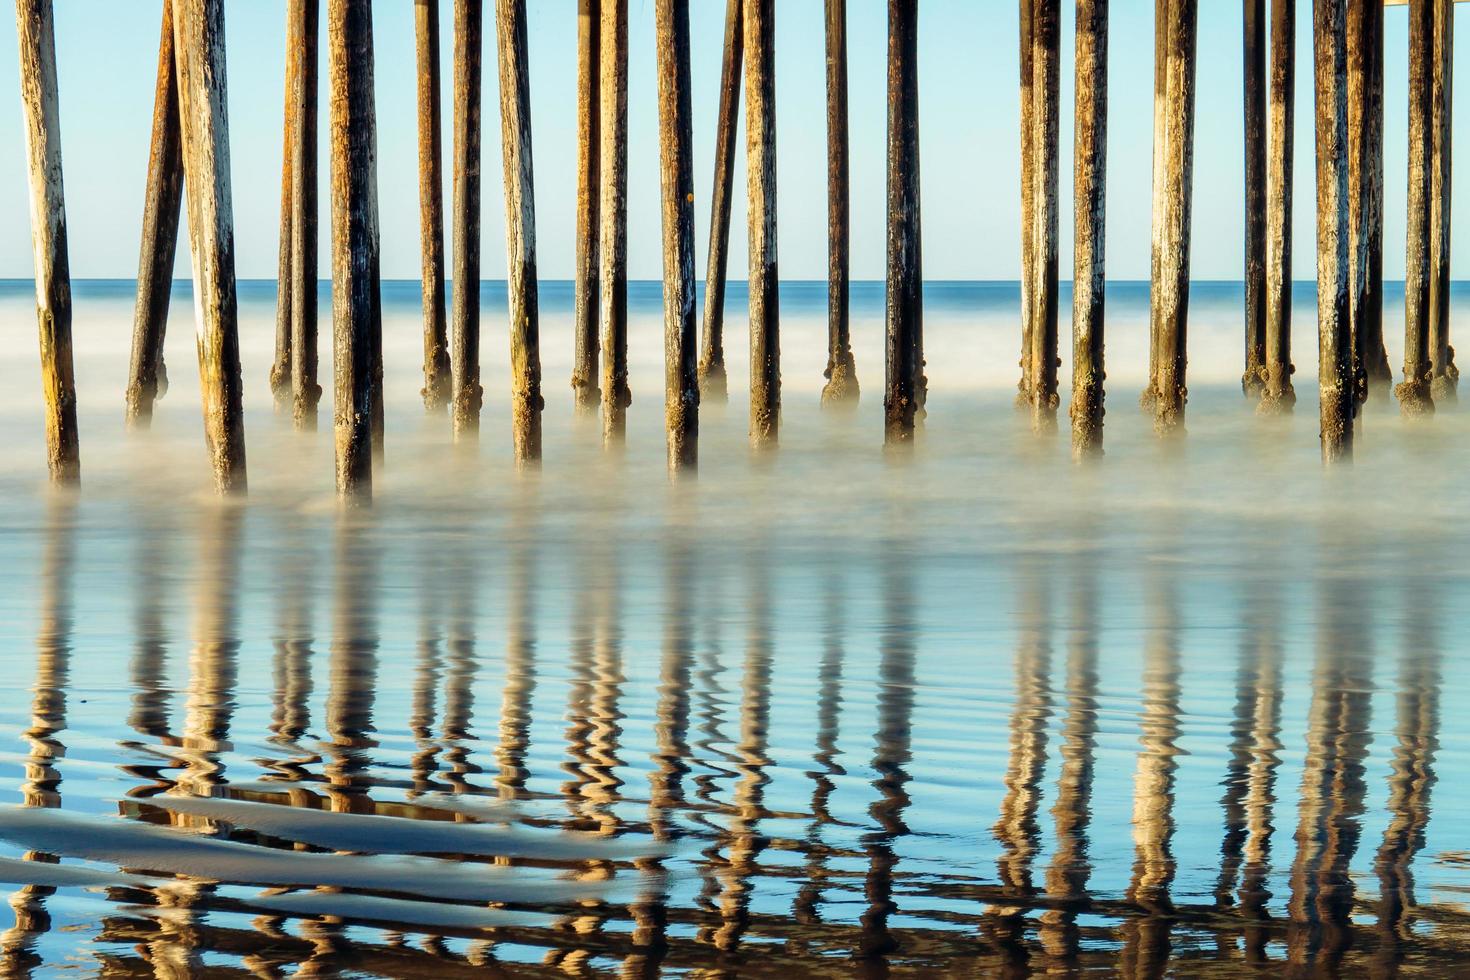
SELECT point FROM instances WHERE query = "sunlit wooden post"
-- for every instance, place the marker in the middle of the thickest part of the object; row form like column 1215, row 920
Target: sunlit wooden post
column 199, row 46
column 438, row 383
column 903, row 402
column 676, row 169
column 1365, row 194
column 48, row 234
column 1090, row 155
column 612, row 208
column 1254, row 73
column 306, row 393
column 162, row 197
column 1444, row 376
column 1277, row 394
column 841, row 374
column 1414, row 392
column 585, row 393
column 1046, row 32
column 1027, row 383
column 464, row 335
column 1170, row 331
column 520, row 229
column 760, row 172
column 280, row 373
column 1336, row 377
column 354, row 239
column 713, row 384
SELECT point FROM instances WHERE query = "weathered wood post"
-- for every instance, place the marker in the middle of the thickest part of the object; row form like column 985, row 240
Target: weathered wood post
column 841, row 374
column 585, row 393
column 1028, row 198
column 162, row 197
column 612, row 208
column 520, row 229
column 199, row 47
column 1444, row 377
column 903, row 402
column 1090, row 155
column 464, row 336
column 713, row 384
column 280, row 373
column 1365, row 195
column 1171, row 315
column 354, row 239
column 48, row 234
column 1254, row 73
column 760, row 171
column 1046, row 33
column 1336, row 375
column 1277, row 394
column 306, row 393
column 676, row 170
column 438, row 383
column 1414, row 392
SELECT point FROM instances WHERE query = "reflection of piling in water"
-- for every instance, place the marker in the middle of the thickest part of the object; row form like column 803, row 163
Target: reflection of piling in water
column 428, row 671
column 712, row 381
column 824, row 759
column 520, row 665
column 593, row 699
column 353, row 670
column 462, row 667
column 213, row 662
column 148, row 671
column 162, row 198
column 291, row 669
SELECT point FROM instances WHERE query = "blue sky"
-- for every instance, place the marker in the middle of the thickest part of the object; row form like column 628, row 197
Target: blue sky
column 969, row 131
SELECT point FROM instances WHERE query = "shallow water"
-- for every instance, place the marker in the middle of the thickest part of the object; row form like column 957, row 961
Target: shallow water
column 822, row 712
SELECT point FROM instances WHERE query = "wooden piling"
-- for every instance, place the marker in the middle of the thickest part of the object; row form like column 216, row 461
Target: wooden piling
column 585, row 394
column 1046, row 31
column 1089, row 195
column 1336, row 375
column 903, row 402
column 306, row 393
column 464, row 336
column 1028, row 198
column 1170, row 331
column 1444, row 376
column 612, row 208
column 162, row 197
column 1277, row 393
column 1365, row 195
column 1414, row 391
column 676, row 169
column 354, row 239
column 760, row 172
column 39, row 101
column 841, row 388
column 1254, row 74
column 280, row 373
column 438, row 382
column 520, row 229
column 713, row 384
column 1156, row 207
column 199, row 47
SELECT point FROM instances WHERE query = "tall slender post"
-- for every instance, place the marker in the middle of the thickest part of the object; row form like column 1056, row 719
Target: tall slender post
column 612, row 208
column 1156, row 207
column 1170, row 331
column 1365, row 195
column 438, row 383
column 520, row 229
column 199, row 46
column 162, row 197
column 713, row 384
column 585, row 394
column 1254, row 73
column 841, row 373
column 676, row 169
column 1414, row 391
column 1046, row 33
column 1090, row 157
column 1336, row 376
column 48, row 234
column 280, row 374
column 1277, row 394
column 903, row 403
column 1028, row 198
column 305, row 392
column 464, row 337
column 760, row 171
column 354, row 238
column 1444, row 377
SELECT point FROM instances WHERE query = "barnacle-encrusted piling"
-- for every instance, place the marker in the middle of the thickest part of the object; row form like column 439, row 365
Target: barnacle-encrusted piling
column 903, row 402
column 713, row 384
column 1090, row 154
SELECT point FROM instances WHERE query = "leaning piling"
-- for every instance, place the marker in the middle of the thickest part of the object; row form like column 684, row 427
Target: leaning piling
column 713, row 384
column 1336, row 376
column 904, row 317
column 438, row 382
column 48, row 234
column 162, row 197
column 760, row 172
column 1090, row 154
